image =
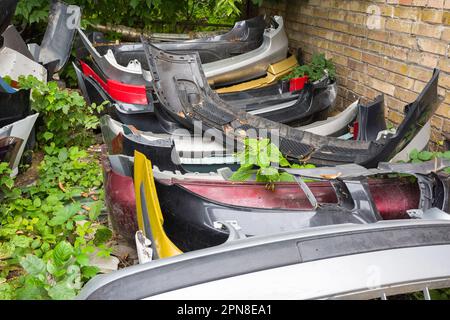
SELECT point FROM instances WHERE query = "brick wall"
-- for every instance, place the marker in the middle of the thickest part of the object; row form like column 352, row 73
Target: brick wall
column 397, row 59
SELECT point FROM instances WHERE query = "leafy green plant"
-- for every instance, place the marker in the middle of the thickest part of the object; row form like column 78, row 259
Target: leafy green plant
column 49, row 231
column 67, row 119
column 316, row 70
column 258, row 159
column 416, row 156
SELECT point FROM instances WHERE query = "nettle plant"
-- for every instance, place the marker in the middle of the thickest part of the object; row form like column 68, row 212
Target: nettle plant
column 66, row 118
column 260, row 160
column 315, row 70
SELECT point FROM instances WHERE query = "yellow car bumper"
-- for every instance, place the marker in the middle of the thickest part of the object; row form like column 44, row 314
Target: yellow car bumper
column 274, row 73
column 148, row 210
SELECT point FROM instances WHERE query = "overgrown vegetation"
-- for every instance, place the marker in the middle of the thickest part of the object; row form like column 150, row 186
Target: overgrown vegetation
column 260, row 160
column 50, row 230
column 154, row 15
column 66, row 118
column 315, row 70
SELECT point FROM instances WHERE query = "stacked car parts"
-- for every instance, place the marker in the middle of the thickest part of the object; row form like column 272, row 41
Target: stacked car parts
column 19, row 59
column 177, row 114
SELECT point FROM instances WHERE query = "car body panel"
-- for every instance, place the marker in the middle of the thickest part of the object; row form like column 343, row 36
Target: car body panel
column 14, row 106
column 56, row 45
column 21, row 130
column 9, row 149
column 191, row 99
column 149, row 215
column 15, row 64
column 337, row 267
column 6, row 88
column 13, row 40
column 127, row 93
column 7, row 10
column 245, row 36
column 252, row 64
column 247, row 66
column 250, row 205
column 111, row 68
column 274, row 72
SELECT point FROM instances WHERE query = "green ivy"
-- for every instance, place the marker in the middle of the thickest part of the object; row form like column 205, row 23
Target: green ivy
column 257, row 160
column 315, row 70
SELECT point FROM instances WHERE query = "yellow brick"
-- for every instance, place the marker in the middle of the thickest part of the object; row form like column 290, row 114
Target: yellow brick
column 433, row 46
column 405, row 95
column 401, row 81
column 444, row 80
column 372, row 58
column 437, row 122
column 395, row 117
column 427, row 30
column 443, row 110
column 444, row 64
column 337, row 15
column 402, row 39
column 399, row 25
column 423, row 58
column 378, row 73
column 320, row 12
column 435, row 4
column 432, row 16
column 382, row 86
column 446, row 18
column 446, row 34
column 395, row 52
column 395, row 66
column 353, row 53
column 378, row 35
column 407, row 13
column 420, row 3
column 356, row 65
column 356, row 18
column 419, row 73
column 419, row 85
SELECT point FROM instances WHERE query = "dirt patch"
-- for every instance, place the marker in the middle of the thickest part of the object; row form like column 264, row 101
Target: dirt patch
column 31, row 175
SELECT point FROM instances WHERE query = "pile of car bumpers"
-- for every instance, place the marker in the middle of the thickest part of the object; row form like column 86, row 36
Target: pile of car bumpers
column 18, row 58
column 200, row 235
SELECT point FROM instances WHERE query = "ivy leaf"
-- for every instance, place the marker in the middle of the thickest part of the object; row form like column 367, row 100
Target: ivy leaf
column 83, row 259
column 425, row 155
column 414, row 154
column 62, row 291
column 102, row 235
column 62, row 253
column 286, row 177
column 47, row 136
column 33, row 265
column 96, row 209
column 64, row 214
column 63, row 155
column 243, row 173
column 89, row 271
